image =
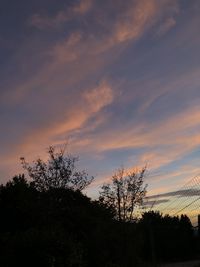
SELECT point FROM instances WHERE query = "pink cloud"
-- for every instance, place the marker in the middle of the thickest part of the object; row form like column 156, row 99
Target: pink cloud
column 88, row 104
column 139, row 16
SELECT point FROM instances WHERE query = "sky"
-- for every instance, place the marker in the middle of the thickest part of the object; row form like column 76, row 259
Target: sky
column 118, row 81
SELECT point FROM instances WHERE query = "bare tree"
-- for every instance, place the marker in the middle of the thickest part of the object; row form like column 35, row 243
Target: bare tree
column 58, row 172
column 126, row 191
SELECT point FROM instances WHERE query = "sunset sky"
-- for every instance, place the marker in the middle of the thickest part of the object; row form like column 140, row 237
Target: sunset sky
column 119, row 80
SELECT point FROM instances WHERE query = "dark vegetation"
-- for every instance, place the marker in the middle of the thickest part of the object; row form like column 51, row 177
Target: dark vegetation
column 47, row 221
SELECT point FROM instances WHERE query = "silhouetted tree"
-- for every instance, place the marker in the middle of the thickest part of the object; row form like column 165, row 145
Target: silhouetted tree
column 56, row 227
column 45, row 222
column 58, row 172
column 126, row 191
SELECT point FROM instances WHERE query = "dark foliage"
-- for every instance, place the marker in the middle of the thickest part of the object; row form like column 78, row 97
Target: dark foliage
column 170, row 238
column 46, row 228
column 59, row 171
column 62, row 227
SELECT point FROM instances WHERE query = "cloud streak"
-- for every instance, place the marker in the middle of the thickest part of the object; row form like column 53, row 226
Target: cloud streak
column 119, row 77
column 180, row 193
column 45, row 21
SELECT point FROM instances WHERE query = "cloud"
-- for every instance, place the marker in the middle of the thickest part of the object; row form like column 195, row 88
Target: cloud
column 92, row 102
column 139, row 16
column 67, row 51
column 45, row 21
column 150, row 135
column 72, row 59
column 56, row 98
column 180, row 193
column 163, row 143
column 135, row 21
column 152, row 203
column 99, row 97
column 83, row 7
column 87, row 105
column 176, row 199
column 166, row 26
column 134, row 18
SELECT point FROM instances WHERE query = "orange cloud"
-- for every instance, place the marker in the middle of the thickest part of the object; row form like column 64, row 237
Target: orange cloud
column 72, row 60
column 165, row 141
column 85, row 107
column 79, row 49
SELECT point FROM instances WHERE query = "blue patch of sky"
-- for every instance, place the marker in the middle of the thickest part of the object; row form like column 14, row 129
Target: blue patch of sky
column 109, row 161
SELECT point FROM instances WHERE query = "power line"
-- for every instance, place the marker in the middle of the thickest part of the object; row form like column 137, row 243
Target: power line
column 188, row 187
column 186, row 206
column 183, row 196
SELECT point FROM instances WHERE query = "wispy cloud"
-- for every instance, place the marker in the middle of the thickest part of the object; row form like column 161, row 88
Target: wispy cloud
column 153, row 203
column 95, row 71
column 166, row 26
column 179, row 193
column 46, row 21
column 137, row 19
column 86, row 106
